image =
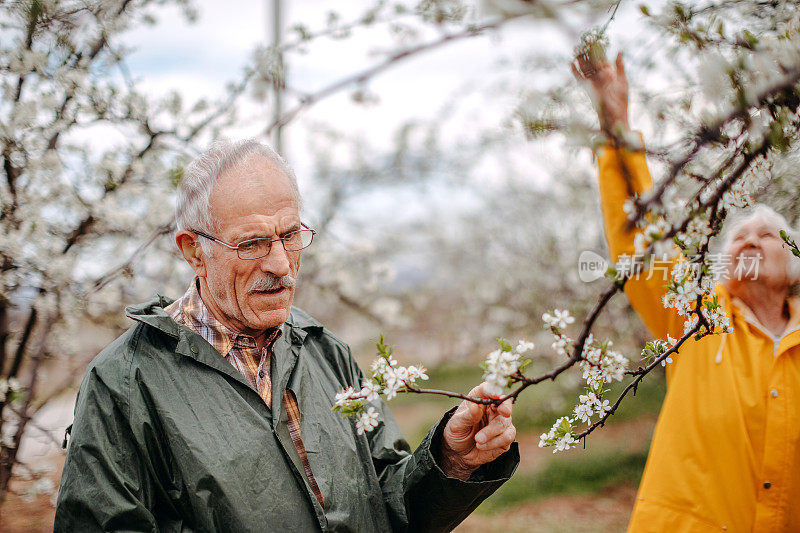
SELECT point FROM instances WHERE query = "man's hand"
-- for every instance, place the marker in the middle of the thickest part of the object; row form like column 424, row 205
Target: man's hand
column 476, row 434
column 610, row 91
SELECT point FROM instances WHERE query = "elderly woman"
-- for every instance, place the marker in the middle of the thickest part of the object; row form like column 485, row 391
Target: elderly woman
column 725, row 454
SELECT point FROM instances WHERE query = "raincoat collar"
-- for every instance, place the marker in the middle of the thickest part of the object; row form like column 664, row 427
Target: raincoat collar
column 285, row 351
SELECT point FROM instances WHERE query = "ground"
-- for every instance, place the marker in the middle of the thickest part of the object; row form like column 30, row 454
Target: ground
column 605, row 512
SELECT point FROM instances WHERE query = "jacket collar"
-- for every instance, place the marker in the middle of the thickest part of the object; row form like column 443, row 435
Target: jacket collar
column 299, row 319
column 736, row 308
column 152, row 313
column 285, row 351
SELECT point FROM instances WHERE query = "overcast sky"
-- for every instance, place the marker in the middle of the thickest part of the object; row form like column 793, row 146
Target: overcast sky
column 198, row 59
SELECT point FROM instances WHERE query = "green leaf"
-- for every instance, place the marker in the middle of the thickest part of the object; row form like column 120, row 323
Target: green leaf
column 504, row 345
column 750, row 39
column 383, row 350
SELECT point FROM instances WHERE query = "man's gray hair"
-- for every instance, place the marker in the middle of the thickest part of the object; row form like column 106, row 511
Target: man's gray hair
column 192, row 209
column 763, row 213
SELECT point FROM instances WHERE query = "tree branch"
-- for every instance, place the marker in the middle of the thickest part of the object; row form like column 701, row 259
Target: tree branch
column 711, row 133
column 109, row 276
column 364, row 75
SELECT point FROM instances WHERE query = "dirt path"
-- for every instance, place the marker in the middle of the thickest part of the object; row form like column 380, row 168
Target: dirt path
column 598, row 513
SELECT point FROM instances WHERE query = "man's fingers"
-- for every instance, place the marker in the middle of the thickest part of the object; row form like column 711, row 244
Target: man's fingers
column 489, row 419
column 495, row 427
column 505, row 408
column 478, row 411
column 501, row 441
column 481, row 392
column 580, row 71
column 620, row 65
column 463, row 419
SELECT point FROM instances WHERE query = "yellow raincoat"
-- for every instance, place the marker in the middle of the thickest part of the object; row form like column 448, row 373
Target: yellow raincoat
column 725, row 454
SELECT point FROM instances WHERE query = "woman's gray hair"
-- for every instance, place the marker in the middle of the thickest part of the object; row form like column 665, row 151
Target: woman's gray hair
column 763, row 213
column 192, row 209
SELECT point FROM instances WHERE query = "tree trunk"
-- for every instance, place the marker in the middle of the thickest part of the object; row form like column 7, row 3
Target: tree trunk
column 3, row 333
column 8, row 455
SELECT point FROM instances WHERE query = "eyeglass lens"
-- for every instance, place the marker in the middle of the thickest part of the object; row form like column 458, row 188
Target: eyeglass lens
column 257, row 248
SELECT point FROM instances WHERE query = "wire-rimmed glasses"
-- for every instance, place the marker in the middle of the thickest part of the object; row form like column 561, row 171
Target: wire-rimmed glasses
column 293, row 241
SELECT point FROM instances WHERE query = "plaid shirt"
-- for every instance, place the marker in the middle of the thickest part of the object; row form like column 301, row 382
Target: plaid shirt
column 241, row 351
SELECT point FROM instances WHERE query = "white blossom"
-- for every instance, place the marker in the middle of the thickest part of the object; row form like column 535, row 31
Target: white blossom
column 564, row 443
column 369, row 390
column 416, row 372
column 559, row 318
column 602, row 407
column 367, row 421
column 583, row 412
column 500, row 365
column 560, row 436
column 560, row 345
column 524, row 346
column 391, row 383
column 344, row 397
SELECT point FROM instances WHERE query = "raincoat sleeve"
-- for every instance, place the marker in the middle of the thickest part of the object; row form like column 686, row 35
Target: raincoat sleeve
column 105, row 485
column 418, row 494
column 645, row 291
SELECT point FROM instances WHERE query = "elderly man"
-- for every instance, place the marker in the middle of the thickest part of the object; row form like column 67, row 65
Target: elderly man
column 213, row 412
column 726, row 450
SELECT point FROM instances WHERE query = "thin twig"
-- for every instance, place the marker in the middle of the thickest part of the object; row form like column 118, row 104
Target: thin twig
column 613, row 14
column 633, row 384
column 109, row 276
column 366, row 74
column 710, row 133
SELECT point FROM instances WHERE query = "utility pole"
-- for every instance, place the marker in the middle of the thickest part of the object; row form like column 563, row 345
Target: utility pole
column 278, row 84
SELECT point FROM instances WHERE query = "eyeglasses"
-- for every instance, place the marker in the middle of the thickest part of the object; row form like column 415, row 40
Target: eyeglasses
column 293, row 241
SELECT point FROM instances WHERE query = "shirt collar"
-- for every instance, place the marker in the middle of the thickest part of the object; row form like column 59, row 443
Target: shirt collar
column 791, row 325
column 190, row 311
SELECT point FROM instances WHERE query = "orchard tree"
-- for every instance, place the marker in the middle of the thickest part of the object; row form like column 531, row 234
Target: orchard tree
column 733, row 125
column 89, row 164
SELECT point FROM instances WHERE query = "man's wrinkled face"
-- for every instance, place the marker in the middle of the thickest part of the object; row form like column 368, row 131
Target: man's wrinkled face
column 250, row 201
column 757, row 256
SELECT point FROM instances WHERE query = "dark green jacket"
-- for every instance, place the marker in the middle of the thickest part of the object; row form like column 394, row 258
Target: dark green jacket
column 168, row 436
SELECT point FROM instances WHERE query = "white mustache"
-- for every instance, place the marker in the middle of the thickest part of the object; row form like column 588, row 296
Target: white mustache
column 270, row 283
